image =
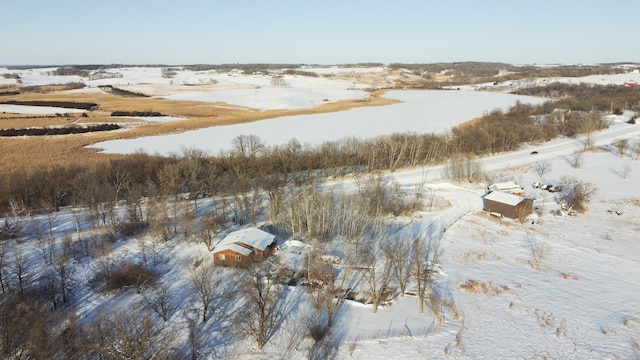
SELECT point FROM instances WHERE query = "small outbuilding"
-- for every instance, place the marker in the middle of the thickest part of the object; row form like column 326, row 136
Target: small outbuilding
column 507, row 186
column 243, row 247
column 508, row 205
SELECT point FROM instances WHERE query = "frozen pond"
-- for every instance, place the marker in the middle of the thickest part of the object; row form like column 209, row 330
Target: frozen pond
column 420, row 112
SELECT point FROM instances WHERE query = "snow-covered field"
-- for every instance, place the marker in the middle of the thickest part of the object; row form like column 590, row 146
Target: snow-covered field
column 558, row 287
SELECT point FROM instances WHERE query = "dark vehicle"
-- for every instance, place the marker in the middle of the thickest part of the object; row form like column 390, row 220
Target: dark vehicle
column 534, row 152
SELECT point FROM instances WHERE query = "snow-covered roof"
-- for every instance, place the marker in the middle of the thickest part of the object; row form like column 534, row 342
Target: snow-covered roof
column 505, row 185
column 252, row 236
column 233, row 247
column 503, row 197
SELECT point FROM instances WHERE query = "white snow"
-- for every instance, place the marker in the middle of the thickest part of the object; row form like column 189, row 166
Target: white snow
column 40, row 110
column 560, row 287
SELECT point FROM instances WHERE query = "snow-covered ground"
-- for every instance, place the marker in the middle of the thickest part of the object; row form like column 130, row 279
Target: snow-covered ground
column 40, row 110
column 558, row 287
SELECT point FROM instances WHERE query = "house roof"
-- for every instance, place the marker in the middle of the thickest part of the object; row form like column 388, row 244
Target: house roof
column 503, row 197
column 252, row 237
column 233, row 247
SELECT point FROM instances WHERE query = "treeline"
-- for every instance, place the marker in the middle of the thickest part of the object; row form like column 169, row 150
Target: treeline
column 120, row 92
column 71, row 70
column 245, row 68
column 586, row 97
column 49, row 88
column 58, row 130
column 468, row 68
column 136, row 113
column 60, row 104
column 480, row 72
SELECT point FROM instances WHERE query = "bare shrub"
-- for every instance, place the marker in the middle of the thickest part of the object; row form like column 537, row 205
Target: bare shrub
column 539, row 253
column 133, row 224
column 129, row 275
column 483, row 287
column 625, row 171
column 577, row 194
column 576, row 160
column 317, row 326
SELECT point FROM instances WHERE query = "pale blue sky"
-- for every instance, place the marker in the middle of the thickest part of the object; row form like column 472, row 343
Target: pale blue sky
column 317, row 32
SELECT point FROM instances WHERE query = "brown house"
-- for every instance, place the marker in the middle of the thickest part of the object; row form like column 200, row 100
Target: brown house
column 243, row 247
column 507, row 205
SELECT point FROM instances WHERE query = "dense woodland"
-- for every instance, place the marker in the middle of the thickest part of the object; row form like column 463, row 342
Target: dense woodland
column 253, row 181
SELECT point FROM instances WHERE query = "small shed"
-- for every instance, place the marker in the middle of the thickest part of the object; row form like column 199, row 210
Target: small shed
column 243, row 247
column 508, row 186
column 508, row 205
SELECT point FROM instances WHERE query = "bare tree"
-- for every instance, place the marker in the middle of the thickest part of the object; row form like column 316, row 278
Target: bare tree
column 64, row 276
column 120, row 180
column 171, row 185
column 205, row 281
column 621, row 145
column 158, row 298
column 192, row 164
column 142, row 244
column 625, row 171
column 542, row 168
column 576, row 161
column 3, row 264
column 399, row 252
column 248, row 145
column 129, row 335
column 426, row 255
column 577, row 194
column 159, row 219
column 195, row 338
column 590, row 124
column 212, row 222
column 104, row 258
column 260, row 314
column 376, row 270
column 19, row 269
